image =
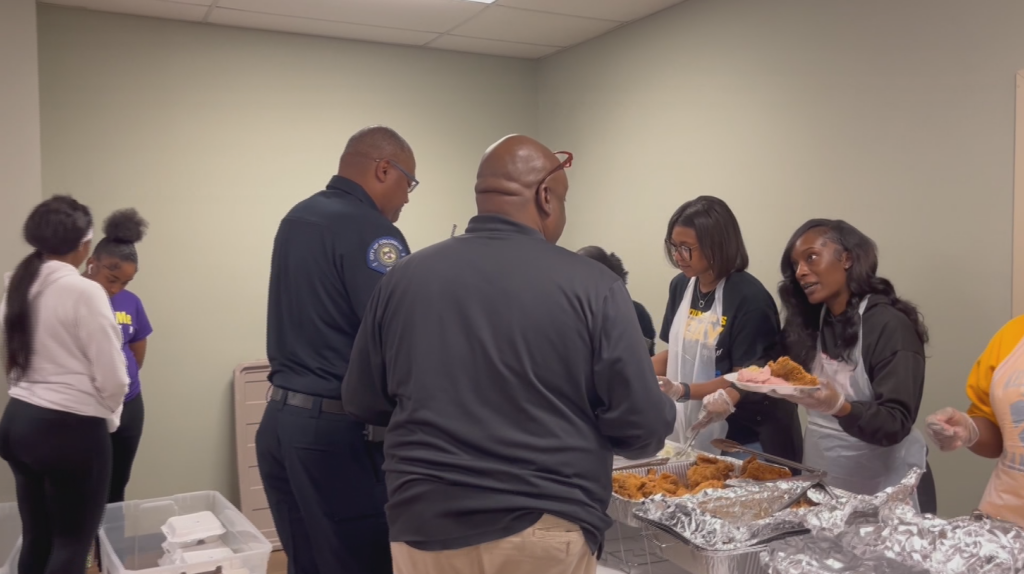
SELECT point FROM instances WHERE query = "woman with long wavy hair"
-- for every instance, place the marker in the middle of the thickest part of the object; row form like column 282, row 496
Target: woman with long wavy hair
column 67, row 380
column 846, row 325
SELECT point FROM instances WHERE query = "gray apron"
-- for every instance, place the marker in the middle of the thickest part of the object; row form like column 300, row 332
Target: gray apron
column 852, row 464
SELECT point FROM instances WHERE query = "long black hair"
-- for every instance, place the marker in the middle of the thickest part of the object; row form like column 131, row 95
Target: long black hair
column 56, row 227
column 802, row 321
column 718, row 234
column 121, row 231
column 609, row 260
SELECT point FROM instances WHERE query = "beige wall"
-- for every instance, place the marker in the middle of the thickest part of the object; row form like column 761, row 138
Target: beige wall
column 213, row 134
column 897, row 116
column 20, row 176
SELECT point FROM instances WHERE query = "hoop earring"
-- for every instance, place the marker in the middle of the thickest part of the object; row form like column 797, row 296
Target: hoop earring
column 88, row 269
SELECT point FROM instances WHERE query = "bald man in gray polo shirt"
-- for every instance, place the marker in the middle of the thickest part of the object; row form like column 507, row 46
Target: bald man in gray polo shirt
column 508, row 372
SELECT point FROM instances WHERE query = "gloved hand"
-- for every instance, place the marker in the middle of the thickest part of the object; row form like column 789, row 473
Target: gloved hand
column 827, row 399
column 951, row 429
column 717, row 407
column 671, row 388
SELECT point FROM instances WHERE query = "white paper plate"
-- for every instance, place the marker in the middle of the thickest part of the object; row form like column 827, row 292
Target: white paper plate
column 784, row 390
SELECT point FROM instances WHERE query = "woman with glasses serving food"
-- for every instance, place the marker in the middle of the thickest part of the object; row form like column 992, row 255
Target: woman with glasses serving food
column 719, row 319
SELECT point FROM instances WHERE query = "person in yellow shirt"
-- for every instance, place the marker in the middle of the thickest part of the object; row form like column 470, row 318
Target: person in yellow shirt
column 994, row 424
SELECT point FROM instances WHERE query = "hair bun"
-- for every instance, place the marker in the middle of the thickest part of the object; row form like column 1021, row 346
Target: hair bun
column 125, row 226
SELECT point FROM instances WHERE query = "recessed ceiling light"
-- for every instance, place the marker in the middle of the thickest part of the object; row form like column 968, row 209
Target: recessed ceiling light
column 483, row 1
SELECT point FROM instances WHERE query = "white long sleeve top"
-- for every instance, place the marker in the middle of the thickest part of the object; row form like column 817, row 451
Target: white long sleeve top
column 77, row 365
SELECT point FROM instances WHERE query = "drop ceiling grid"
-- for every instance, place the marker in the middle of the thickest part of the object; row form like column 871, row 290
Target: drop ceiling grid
column 528, row 29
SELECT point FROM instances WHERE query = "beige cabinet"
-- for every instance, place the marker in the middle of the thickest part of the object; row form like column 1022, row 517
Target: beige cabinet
column 251, row 392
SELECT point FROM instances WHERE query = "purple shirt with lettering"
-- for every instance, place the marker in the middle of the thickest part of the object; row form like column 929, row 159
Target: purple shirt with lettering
column 135, row 327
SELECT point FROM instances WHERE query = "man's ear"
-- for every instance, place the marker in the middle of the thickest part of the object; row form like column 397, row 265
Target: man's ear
column 544, row 200
column 381, row 170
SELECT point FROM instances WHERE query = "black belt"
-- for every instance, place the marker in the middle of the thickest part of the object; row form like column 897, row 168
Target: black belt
column 306, row 401
column 303, row 401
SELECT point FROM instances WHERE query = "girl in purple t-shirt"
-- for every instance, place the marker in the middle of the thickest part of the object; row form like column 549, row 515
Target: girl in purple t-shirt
column 113, row 265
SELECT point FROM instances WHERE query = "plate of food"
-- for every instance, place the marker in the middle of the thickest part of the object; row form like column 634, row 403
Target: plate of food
column 782, row 377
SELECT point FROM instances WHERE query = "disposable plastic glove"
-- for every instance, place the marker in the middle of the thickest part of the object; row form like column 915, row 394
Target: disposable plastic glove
column 671, row 388
column 827, row 399
column 951, row 429
column 717, row 407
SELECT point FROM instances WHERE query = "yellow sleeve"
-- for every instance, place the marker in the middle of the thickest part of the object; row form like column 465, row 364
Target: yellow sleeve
column 980, row 380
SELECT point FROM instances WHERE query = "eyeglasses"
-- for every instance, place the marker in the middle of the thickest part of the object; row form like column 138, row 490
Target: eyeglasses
column 683, row 251
column 413, row 182
column 565, row 163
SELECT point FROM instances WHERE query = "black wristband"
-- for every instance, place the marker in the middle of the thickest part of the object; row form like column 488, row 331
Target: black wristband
column 686, row 392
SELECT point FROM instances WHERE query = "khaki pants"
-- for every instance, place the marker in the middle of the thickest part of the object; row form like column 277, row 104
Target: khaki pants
column 552, row 546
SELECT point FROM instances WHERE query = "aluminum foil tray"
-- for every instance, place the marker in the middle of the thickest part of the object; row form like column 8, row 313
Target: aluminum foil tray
column 699, row 561
column 621, row 509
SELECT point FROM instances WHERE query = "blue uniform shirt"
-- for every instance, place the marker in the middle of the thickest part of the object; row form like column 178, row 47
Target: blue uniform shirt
column 330, row 252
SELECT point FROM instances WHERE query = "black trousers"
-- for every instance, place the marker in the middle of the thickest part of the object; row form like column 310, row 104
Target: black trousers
column 125, row 444
column 61, row 465
column 325, row 486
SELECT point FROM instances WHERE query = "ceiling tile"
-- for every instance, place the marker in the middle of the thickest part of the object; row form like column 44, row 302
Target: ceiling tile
column 194, row 10
column 423, row 15
column 259, row 21
column 618, row 10
column 528, row 27
column 492, row 47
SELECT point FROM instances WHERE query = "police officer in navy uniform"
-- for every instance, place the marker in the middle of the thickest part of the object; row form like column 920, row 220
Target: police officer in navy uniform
column 320, row 467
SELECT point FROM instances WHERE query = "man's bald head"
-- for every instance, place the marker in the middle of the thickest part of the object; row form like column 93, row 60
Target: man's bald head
column 376, row 142
column 382, row 162
column 520, row 178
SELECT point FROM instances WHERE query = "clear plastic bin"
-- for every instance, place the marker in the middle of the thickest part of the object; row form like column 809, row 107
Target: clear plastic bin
column 10, row 538
column 131, row 539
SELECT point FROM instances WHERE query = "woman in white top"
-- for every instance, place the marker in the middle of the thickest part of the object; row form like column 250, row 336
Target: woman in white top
column 67, row 380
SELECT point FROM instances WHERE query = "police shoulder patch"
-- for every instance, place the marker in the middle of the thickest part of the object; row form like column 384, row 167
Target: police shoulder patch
column 385, row 253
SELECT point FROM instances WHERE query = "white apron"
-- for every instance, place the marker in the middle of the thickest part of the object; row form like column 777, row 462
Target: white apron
column 1004, row 495
column 852, row 464
column 691, row 359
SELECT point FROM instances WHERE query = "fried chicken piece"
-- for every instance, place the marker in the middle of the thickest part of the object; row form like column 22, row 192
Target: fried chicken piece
column 709, row 485
column 789, row 371
column 757, row 470
column 627, row 485
column 635, row 487
column 709, row 469
column 665, row 483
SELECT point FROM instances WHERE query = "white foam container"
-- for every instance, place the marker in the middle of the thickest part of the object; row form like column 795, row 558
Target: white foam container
column 192, row 529
column 131, row 539
column 10, row 538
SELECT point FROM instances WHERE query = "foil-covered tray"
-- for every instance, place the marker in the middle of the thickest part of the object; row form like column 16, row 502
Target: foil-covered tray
column 882, row 534
column 731, row 518
column 694, row 559
column 699, row 561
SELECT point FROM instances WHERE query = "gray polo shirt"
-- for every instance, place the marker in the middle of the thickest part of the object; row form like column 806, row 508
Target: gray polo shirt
column 508, row 371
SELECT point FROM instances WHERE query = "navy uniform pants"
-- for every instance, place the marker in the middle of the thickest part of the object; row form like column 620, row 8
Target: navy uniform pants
column 325, row 486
